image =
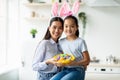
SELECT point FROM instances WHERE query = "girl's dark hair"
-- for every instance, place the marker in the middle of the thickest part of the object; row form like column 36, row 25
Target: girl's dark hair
column 48, row 35
column 76, row 22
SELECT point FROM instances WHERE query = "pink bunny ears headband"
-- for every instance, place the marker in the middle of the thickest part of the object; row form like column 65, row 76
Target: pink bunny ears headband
column 65, row 9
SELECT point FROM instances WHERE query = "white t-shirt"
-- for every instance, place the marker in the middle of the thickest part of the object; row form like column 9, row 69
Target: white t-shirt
column 75, row 47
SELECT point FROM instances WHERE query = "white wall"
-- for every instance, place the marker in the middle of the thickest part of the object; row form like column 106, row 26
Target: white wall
column 101, row 34
column 13, row 50
column 102, row 31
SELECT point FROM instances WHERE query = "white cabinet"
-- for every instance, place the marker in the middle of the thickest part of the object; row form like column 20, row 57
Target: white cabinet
column 104, row 68
column 101, row 76
column 103, row 72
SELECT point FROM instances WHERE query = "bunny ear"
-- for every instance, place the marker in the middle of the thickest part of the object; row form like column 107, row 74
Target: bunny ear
column 75, row 7
column 65, row 9
column 55, row 9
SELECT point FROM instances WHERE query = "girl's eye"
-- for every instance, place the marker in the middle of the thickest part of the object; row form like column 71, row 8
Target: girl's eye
column 72, row 26
column 66, row 26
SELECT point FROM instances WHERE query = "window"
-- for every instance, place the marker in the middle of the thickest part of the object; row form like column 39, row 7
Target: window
column 3, row 32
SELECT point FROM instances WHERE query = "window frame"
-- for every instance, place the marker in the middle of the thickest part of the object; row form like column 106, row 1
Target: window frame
column 3, row 32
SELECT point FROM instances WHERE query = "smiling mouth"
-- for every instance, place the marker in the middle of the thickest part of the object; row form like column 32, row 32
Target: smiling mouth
column 69, row 32
column 56, row 34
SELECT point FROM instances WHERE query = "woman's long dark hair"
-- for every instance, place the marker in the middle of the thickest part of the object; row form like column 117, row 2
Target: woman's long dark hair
column 48, row 35
column 76, row 22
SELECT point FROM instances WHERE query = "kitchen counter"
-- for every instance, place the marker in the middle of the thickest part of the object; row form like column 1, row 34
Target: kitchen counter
column 103, row 65
column 98, row 71
column 103, row 68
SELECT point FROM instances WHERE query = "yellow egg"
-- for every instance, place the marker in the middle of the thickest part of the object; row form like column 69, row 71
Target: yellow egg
column 64, row 58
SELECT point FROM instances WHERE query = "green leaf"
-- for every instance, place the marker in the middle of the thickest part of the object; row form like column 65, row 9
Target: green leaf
column 33, row 31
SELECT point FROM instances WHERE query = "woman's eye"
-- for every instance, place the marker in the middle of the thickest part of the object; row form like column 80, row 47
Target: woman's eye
column 54, row 27
column 60, row 28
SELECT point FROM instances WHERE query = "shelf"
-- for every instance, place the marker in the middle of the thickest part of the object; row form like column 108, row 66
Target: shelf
column 37, row 18
column 43, row 4
column 37, row 15
column 37, row 4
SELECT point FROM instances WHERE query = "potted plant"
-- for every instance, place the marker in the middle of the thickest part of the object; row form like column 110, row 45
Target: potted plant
column 82, row 17
column 33, row 32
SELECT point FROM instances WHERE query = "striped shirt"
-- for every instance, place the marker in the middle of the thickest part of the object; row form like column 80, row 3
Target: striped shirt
column 45, row 50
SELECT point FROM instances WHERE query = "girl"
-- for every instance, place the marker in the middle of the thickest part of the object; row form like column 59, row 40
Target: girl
column 75, row 45
column 47, row 48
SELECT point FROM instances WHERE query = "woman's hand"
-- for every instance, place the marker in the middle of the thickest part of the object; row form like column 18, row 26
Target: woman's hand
column 58, row 64
column 51, row 61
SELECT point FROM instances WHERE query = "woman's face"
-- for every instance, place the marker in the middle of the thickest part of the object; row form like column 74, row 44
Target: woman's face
column 70, row 27
column 56, row 30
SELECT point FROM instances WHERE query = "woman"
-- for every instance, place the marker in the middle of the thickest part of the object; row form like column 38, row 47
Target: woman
column 47, row 48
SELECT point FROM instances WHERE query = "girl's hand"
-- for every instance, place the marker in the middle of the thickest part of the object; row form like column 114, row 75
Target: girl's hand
column 65, row 64
column 72, row 63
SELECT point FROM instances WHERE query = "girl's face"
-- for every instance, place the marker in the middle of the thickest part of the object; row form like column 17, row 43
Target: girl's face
column 56, row 30
column 70, row 27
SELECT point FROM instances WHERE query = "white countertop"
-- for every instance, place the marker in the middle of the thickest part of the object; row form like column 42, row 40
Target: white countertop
column 103, row 68
column 103, row 65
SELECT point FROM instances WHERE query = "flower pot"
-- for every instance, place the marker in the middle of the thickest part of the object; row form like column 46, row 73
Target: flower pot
column 30, row 1
column 33, row 36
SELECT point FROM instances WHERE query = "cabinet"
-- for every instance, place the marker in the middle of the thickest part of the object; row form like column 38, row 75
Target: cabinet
column 103, row 72
column 101, row 76
column 104, row 68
